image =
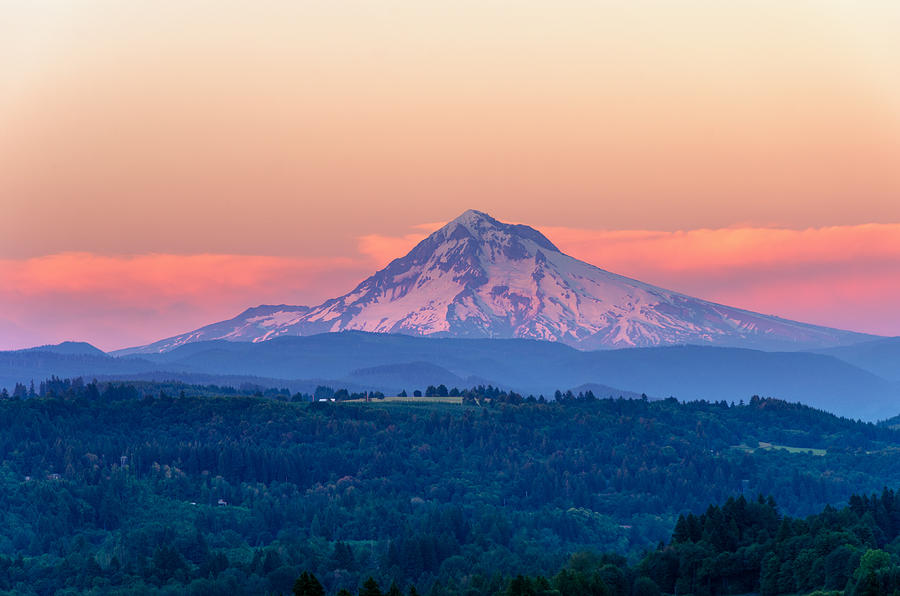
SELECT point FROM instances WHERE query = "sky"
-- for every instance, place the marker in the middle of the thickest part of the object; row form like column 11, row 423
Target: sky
column 164, row 165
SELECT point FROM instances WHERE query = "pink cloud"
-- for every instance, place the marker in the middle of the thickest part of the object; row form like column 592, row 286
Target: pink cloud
column 383, row 249
column 727, row 248
column 115, row 301
column 167, row 276
column 842, row 276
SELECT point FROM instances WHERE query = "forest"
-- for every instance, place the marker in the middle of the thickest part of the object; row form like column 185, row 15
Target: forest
column 129, row 488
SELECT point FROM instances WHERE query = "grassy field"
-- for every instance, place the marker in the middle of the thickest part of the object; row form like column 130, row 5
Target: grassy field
column 413, row 400
column 771, row 446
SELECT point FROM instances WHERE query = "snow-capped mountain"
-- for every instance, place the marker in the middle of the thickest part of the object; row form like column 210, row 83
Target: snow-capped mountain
column 478, row 277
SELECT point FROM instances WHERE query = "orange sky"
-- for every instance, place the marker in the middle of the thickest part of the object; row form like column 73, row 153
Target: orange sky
column 269, row 143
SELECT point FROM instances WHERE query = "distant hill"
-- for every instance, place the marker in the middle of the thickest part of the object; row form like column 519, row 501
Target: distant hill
column 413, row 375
column 880, row 356
column 37, row 364
column 68, row 347
column 389, row 363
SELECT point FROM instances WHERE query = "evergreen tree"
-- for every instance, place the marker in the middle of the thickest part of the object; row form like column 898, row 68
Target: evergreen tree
column 370, row 588
column 681, row 533
column 308, row 585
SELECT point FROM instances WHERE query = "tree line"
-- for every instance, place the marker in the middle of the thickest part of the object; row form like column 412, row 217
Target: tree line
column 167, row 488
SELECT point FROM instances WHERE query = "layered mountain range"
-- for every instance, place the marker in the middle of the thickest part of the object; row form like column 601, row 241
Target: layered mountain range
column 477, row 277
column 858, row 381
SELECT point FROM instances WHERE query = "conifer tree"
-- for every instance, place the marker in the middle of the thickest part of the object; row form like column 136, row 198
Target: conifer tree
column 370, row 588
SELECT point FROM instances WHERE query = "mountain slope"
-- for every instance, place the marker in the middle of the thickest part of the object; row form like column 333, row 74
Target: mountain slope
column 254, row 324
column 477, row 277
column 880, row 357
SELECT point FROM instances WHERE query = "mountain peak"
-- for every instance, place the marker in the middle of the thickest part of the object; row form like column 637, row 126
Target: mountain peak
column 483, row 227
column 474, row 220
column 480, row 277
column 473, row 215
